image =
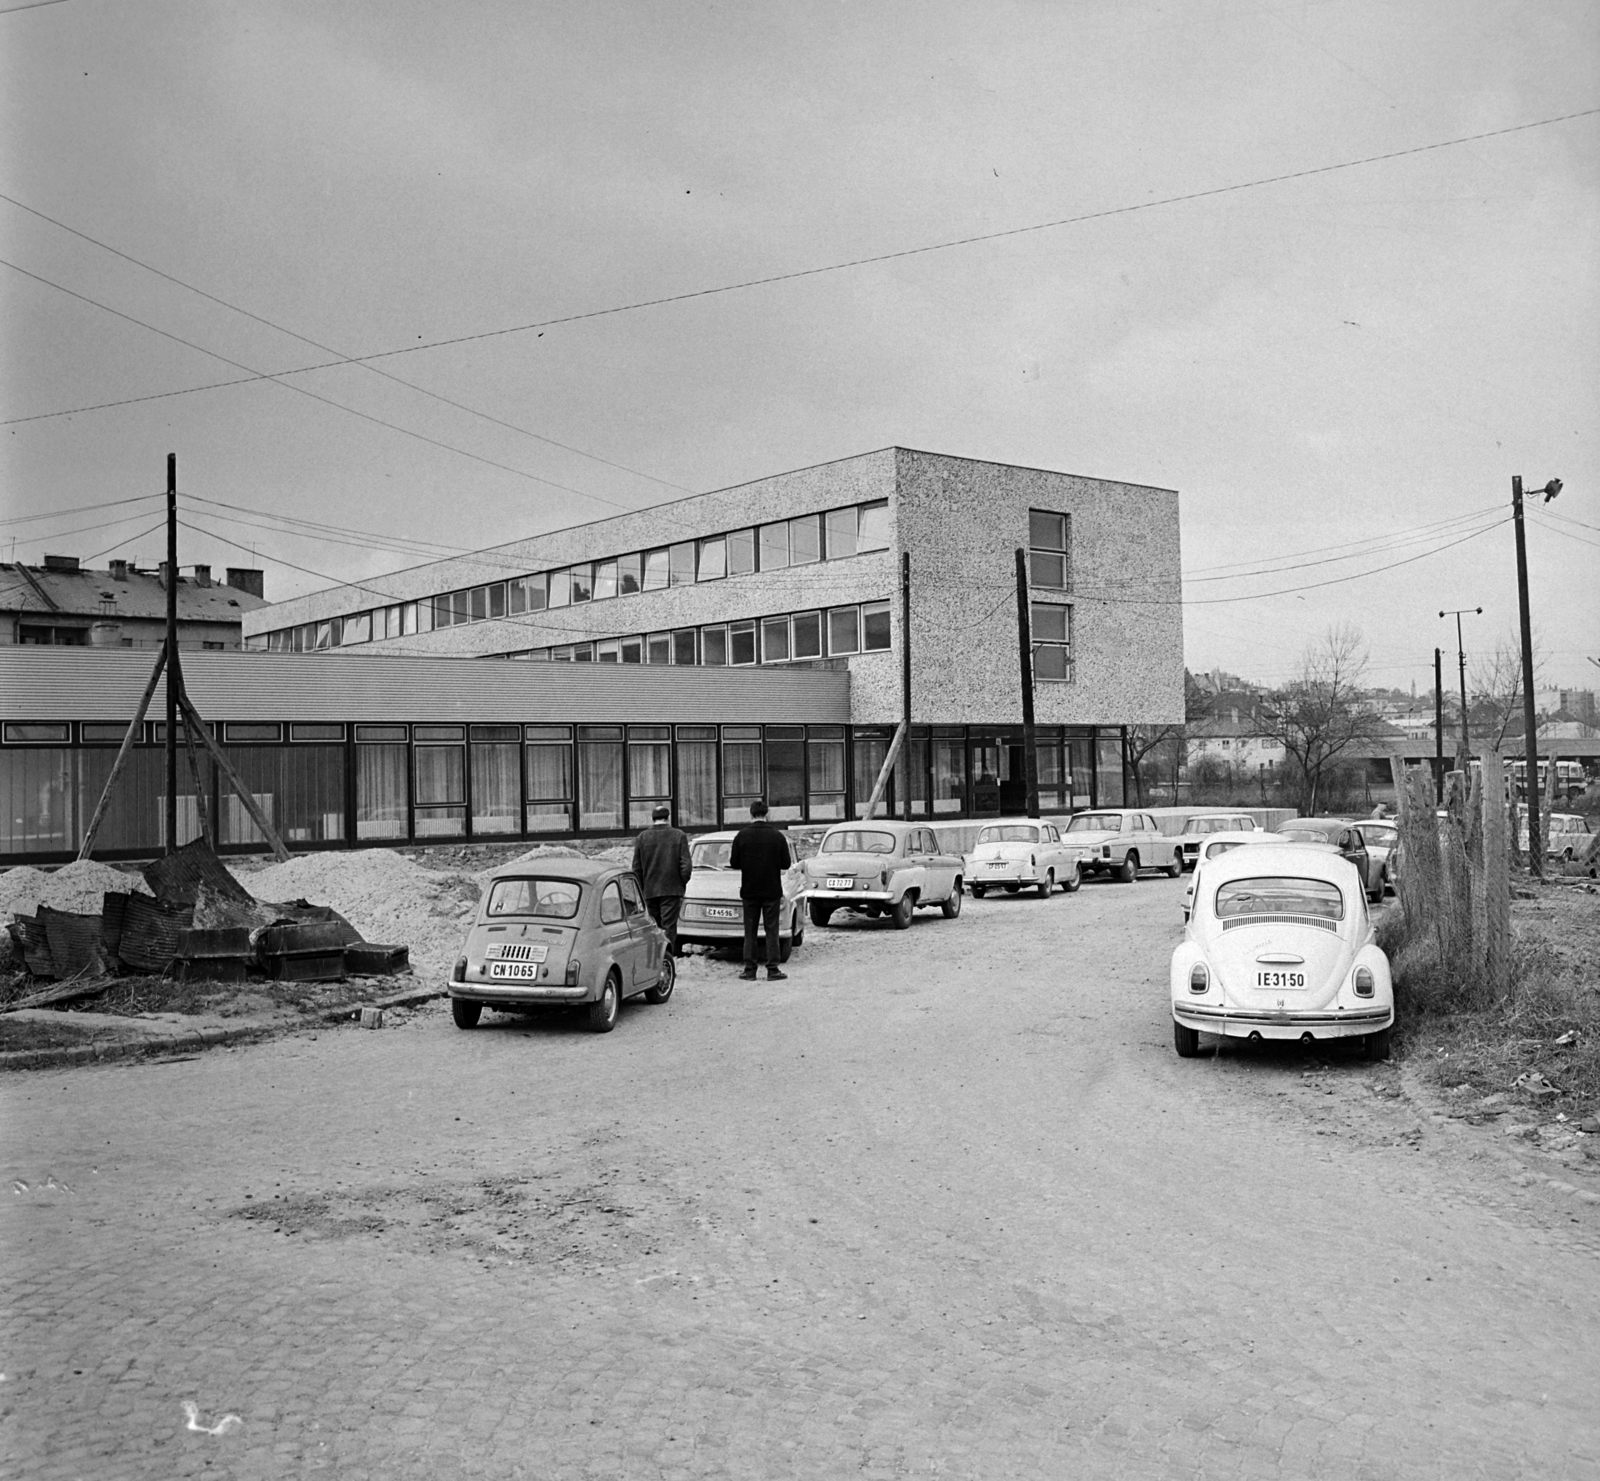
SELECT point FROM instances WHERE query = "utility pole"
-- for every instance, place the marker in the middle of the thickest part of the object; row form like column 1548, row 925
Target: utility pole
column 174, row 683
column 1438, row 723
column 1030, row 739
column 905, row 679
column 1461, row 656
column 1530, row 721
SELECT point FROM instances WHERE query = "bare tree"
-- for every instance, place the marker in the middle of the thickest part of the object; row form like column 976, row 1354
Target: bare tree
column 1145, row 741
column 1321, row 714
column 1497, row 689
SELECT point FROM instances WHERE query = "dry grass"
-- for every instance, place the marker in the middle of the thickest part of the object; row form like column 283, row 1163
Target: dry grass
column 1555, row 994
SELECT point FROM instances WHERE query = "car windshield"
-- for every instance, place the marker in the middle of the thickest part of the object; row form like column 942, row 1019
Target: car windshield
column 1280, row 895
column 858, row 841
column 1008, row 833
column 1214, row 825
column 1095, row 822
column 555, row 899
column 711, row 855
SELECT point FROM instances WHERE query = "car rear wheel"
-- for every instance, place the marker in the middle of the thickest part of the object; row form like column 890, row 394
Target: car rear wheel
column 1128, row 870
column 465, row 1013
column 603, row 1012
column 902, row 912
column 979, row 891
column 785, row 948
column 1185, row 1040
column 665, row 983
column 1376, row 1046
column 1175, row 868
column 1047, row 885
column 820, row 914
column 952, row 906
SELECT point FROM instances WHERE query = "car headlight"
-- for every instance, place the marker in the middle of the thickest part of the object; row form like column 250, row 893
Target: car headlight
column 1199, row 978
column 1364, row 982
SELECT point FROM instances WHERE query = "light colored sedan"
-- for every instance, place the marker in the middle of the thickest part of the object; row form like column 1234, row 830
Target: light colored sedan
column 1022, row 853
column 1280, row 945
column 883, row 868
column 561, row 933
column 1214, row 847
column 712, row 913
column 1122, row 841
column 1198, row 826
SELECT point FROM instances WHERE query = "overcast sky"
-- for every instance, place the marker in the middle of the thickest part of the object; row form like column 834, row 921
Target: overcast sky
column 1346, row 356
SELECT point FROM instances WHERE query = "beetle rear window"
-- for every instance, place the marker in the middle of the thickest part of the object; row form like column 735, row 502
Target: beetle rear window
column 1008, row 833
column 554, row 899
column 1280, row 895
column 858, row 841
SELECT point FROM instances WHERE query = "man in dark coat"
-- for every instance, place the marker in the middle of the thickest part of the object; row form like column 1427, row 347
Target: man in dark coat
column 661, row 860
column 760, row 853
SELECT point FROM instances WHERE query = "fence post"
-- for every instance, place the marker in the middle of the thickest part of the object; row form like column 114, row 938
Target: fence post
column 1496, row 880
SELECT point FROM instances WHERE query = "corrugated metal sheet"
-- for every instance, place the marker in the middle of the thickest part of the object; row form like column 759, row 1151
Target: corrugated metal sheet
column 38, row 683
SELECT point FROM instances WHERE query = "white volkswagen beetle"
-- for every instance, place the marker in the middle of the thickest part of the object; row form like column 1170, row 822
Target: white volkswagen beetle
column 1280, row 946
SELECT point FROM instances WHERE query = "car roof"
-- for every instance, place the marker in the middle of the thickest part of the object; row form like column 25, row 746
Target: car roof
column 1247, row 838
column 1314, row 862
column 1320, row 825
column 1008, row 822
column 584, row 871
column 884, row 825
column 1221, row 812
column 725, row 835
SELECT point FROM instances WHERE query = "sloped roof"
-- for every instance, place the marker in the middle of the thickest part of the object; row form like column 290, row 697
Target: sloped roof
column 89, row 593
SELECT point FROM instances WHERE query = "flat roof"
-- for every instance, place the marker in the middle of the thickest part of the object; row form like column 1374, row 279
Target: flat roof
column 64, row 683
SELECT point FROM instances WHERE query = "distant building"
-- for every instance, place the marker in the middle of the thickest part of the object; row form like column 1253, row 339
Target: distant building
column 62, row 603
column 1579, row 703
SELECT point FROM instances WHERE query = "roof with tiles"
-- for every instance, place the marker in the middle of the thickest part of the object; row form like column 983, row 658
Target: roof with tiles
column 60, row 590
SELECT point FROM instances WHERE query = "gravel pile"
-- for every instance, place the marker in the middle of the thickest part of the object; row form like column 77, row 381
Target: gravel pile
column 387, row 897
column 79, row 886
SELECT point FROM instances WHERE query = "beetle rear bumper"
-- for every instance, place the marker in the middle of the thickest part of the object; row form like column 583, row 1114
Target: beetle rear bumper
column 1241, row 1023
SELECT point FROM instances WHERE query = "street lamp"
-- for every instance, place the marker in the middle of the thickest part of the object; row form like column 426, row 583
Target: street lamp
column 1461, row 656
column 1530, row 743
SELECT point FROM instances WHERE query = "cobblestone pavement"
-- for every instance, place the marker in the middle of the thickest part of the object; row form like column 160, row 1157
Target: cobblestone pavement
column 943, row 1204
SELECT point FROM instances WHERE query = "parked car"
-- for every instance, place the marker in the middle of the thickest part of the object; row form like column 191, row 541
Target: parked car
column 1569, row 835
column 1280, row 945
column 712, row 914
column 1382, row 840
column 1122, row 841
column 1343, row 835
column 882, row 868
column 1214, row 847
column 1021, row 853
column 561, row 932
column 1197, row 827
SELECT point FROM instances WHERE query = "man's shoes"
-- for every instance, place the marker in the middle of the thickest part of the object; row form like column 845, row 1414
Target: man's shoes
column 775, row 974
column 748, row 975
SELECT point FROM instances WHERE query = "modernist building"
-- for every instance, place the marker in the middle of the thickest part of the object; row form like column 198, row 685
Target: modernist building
column 63, row 603
column 734, row 644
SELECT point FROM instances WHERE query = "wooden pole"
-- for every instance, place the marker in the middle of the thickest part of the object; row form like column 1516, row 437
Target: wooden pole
column 1530, row 721
column 235, row 781
column 905, row 674
column 1030, row 734
column 1438, row 721
column 1496, row 879
column 199, row 783
column 122, row 755
column 173, row 687
column 886, row 770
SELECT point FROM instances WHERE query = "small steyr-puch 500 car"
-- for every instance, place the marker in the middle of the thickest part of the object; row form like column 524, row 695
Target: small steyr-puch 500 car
column 561, row 932
column 1280, row 945
column 1021, row 853
column 882, row 868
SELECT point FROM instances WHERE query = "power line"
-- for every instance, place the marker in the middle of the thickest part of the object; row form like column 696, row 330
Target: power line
column 160, row 525
column 854, row 262
column 1568, row 534
column 328, row 349
column 22, row 519
column 33, row 5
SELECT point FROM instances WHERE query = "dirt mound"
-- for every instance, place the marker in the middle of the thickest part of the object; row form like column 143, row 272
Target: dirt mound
column 79, row 886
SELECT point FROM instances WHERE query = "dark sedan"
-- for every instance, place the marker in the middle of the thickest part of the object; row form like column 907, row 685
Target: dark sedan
column 1345, row 836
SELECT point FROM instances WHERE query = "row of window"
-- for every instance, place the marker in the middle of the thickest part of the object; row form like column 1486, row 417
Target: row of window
column 802, row 541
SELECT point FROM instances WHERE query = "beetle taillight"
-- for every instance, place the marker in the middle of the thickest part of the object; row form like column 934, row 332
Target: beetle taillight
column 1364, row 982
column 1199, row 978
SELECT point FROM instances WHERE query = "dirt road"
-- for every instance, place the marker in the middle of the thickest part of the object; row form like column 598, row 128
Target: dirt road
column 943, row 1204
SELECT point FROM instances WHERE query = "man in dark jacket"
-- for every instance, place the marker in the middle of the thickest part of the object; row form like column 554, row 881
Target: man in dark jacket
column 760, row 853
column 661, row 860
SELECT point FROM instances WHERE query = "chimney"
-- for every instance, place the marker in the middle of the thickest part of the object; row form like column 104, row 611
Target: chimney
column 61, row 563
column 105, row 635
column 202, row 575
column 248, row 579
column 119, row 570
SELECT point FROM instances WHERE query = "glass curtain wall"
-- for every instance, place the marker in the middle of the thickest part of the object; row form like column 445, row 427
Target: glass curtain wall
column 649, row 772
column 600, row 777
column 496, row 779
column 1108, row 769
column 742, row 772
column 825, row 773
column 949, row 765
column 382, row 782
column 697, row 776
column 549, row 778
column 871, row 750
column 439, row 771
column 786, row 773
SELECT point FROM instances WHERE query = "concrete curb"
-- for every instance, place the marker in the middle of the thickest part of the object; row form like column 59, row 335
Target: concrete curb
column 159, row 1042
